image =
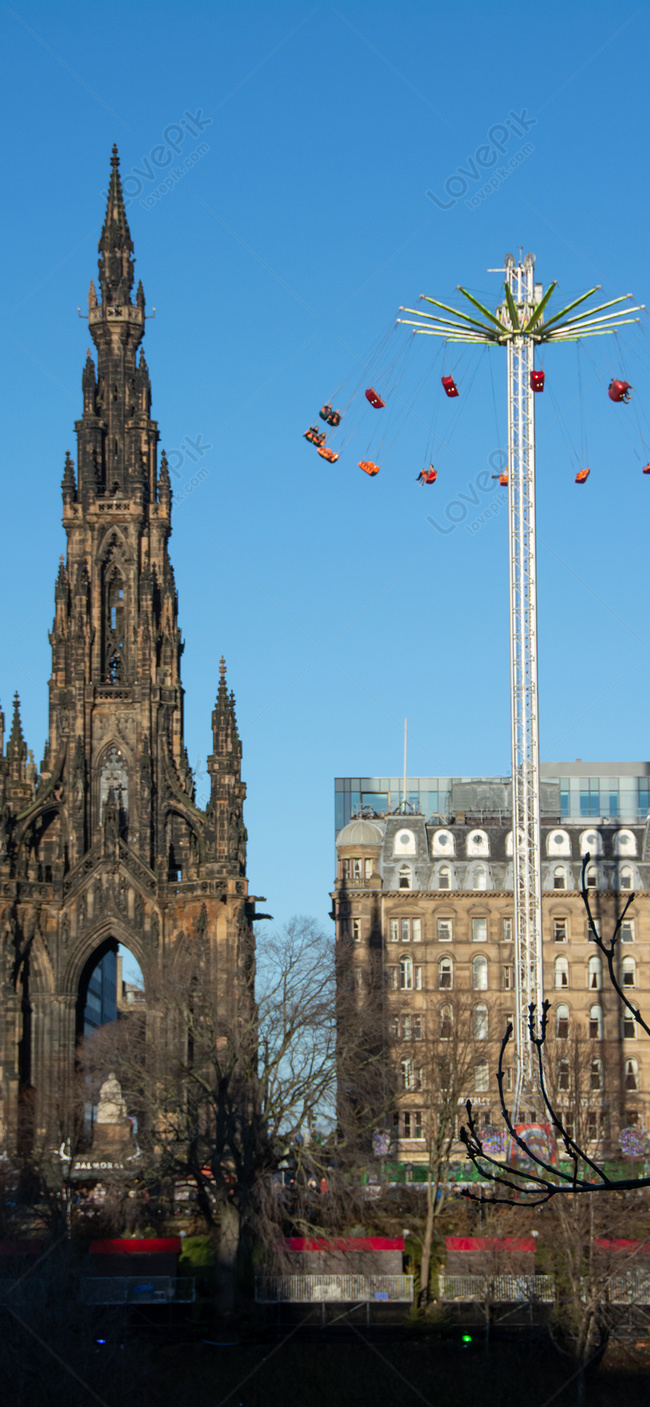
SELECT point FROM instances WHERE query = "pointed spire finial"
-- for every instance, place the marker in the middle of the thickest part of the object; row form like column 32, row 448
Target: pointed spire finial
column 222, row 667
column 16, row 746
column 115, row 244
column 68, row 484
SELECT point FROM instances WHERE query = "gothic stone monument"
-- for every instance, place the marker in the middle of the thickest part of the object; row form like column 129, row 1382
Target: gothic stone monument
column 107, row 844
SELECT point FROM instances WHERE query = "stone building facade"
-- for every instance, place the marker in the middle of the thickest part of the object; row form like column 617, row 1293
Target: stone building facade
column 106, row 845
column 425, row 906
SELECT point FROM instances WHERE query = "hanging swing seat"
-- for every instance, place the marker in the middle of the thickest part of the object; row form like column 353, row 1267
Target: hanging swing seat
column 328, row 454
column 427, row 476
column 450, row 386
column 582, row 476
column 315, row 436
column 375, row 400
column 502, row 477
column 368, row 466
column 646, row 469
column 619, row 390
column 537, row 379
column 331, row 417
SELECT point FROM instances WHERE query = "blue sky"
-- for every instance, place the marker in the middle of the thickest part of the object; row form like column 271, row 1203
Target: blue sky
column 328, row 195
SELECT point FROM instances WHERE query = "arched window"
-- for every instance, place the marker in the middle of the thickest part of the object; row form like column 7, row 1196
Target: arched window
column 480, row 1022
column 446, row 1023
column 562, row 1022
column 114, row 775
column 404, row 843
column 114, row 625
column 446, row 973
column 625, row 877
column 592, row 877
column 629, row 1025
column 444, row 877
column 563, row 1074
column 481, row 1076
column 629, row 972
column 631, row 1074
column 596, row 1023
column 406, row 974
column 561, row 972
column 480, row 974
column 595, row 973
column 559, row 877
column 624, row 843
column 405, row 877
column 596, row 1075
column 480, row 877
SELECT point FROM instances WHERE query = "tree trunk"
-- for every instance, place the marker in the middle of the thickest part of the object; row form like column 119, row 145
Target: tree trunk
column 227, row 1258
column 425, row 1264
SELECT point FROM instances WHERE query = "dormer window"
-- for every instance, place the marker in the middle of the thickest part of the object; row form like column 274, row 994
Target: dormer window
column 405, row 877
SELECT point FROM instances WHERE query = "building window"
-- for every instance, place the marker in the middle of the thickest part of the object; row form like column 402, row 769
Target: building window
column 480, row 1022
column 405, row 877
column 508, row 1080
column 481, row 1076
column 393, row 978
column 356, row 870
column 559, row 930
column 417, row 1124
column 479, row 930
column 446, row 1023
column 631, row 1074
column 114, row 776
column 406, row 1074
column 629, row 972
column 356, row 929
column 406, row 1028
column 446, row 973
column 405, row 974
column 367, row 869
column 394, row 930
column 417, row 1028
column 416, row 927
column 445, row 930
column 627, row 930
column 592, row 877
column 561, row 972
column 480, row 877
column 595, row 973
column 507, row 979
column 592, row 1125
column 394, row 1028
column 562, row 1022
column 595, row 1075
column 595, row 1023
column 405, row 930
column 559, row 877
column 480, row 974
column 418, row 979
column 345, row 869
column 507, row 930
column 563, row 1074
column 444, row 877
column 625, row 877
column 407, row 1125
column 629, row 1026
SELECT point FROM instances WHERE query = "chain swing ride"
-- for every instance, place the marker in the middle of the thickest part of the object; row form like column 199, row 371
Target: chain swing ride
column 520, row 324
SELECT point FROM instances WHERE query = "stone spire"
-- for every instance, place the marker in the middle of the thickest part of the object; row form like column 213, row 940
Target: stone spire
column 115, row 245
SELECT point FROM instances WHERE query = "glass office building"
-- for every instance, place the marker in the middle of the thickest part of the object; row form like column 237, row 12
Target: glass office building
column 570, row 791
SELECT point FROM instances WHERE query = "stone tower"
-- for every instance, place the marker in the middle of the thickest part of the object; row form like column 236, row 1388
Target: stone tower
column 107, row 845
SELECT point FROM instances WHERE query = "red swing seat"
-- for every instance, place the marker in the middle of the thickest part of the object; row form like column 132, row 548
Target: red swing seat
column 375, row 399
column 450, row 386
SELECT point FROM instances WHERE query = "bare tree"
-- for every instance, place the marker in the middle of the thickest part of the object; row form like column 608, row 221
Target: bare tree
column 539, row 1178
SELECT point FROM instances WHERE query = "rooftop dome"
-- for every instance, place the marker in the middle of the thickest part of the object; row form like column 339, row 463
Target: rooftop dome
column 360, row 833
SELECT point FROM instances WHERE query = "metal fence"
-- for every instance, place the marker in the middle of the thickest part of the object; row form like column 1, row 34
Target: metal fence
column 498, row 1289
column 138, row 1289
column 631, row 1288
column 342, row 1289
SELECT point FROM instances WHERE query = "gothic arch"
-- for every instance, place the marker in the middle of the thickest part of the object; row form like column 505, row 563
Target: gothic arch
column 99, row 937
column 121, row 762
